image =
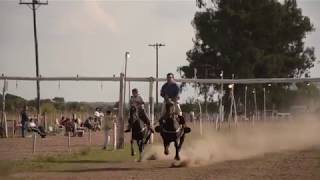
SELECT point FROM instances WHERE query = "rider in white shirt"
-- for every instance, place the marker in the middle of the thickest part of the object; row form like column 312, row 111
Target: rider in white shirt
column 137, row 101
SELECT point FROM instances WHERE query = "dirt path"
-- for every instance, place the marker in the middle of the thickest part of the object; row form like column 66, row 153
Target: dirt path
column 286, row 165
column 272, row 151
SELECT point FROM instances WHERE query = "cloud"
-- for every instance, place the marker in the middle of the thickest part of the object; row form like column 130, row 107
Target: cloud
column 100, row 16
column 85, row 17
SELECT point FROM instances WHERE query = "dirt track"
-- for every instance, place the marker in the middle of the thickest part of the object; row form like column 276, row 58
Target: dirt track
column 298, row 157
column 286, row 165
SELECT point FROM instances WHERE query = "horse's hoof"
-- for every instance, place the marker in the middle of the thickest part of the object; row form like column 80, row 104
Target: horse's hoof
column 177, row 158
column 187, row 130
column 166, row 151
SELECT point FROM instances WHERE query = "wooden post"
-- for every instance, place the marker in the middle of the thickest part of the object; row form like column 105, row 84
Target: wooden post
column 264, row 104
column 114, row 135
column 89, row 137
column 45, row 124
column 13, row 127
column 69, row 142
column 235, row 110
column 120, row 140
column 4, row 123
column 34, row 135
column 231, row 108
column 245, row 102
column 200, row 111
column 255, row 106
column 221, row 108
column 151, row 106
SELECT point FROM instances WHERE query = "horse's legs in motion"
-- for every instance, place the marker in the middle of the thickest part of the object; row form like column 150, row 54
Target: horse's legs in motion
column 166, row 147
column 176, row 145
column 141, row 146
column 148, row 137
column 132, row 150
column 181, row 142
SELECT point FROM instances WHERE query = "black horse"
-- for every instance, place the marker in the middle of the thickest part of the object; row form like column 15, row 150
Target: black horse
column 140, row 132
column 172, row 130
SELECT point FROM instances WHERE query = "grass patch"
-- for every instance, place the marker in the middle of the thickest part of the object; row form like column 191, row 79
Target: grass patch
column 5, row 169
column 88, row 155
column 63, row 161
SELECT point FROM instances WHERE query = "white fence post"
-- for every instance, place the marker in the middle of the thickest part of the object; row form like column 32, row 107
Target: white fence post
column 114, row 135
column 151, row 107
column 34, row 135
column 69, row 142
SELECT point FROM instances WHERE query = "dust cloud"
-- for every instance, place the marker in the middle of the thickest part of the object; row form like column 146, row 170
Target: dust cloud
column 244, row 141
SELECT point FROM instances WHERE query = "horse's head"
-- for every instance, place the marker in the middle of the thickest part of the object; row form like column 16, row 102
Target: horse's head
column 137, row 123
column 170, row 121
column 133, row 110
column 169, row 107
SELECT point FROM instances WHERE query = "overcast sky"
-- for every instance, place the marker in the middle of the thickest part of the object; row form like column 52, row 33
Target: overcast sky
column 90, row 38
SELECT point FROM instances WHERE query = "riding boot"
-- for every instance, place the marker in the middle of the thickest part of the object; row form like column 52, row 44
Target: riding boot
column 183, row 124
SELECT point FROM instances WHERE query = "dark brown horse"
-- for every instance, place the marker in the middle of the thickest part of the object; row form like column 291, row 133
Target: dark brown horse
column 171, row 130
column 140, row 132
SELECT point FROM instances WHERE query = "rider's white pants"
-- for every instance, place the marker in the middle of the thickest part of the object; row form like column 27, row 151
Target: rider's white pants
column 177, row 109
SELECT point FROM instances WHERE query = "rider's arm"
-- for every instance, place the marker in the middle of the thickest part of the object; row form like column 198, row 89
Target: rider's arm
column 162, row 92
column 176, row 91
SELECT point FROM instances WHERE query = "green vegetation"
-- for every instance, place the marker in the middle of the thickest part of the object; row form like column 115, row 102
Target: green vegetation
column 55, row 105
column 251, row 39
column 65, row 161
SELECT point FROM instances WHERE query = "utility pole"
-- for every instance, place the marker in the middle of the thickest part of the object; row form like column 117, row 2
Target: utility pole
column 127, row 55
column 206, row 93
column 4, row 123
column 157, row 45
column 34, row 5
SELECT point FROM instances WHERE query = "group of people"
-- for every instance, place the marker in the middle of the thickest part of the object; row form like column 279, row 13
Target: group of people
column 29, row 124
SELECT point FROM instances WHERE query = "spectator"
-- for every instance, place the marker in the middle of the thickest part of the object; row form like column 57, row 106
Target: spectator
column 24, row 120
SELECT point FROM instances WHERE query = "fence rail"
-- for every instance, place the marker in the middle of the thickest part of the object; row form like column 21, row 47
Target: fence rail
column 148, row 79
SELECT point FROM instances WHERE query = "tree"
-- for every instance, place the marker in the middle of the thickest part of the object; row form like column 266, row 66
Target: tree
column 13, row 102
column 48, row 107
column 59, row 103
column 250, row 39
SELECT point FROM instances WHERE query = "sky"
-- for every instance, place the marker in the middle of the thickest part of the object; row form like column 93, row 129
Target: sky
column 90, row 38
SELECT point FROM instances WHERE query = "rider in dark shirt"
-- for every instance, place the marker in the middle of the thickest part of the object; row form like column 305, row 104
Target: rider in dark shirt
column 24, row 120
column 170, row 90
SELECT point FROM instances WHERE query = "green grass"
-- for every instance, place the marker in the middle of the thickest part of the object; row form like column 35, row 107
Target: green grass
column 63, row 161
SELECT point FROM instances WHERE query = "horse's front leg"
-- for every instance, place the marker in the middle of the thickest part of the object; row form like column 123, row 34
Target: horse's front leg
column 176, row 145
column 141, row 146
column 132, row 150
column 166, row 147
column 181, row 142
